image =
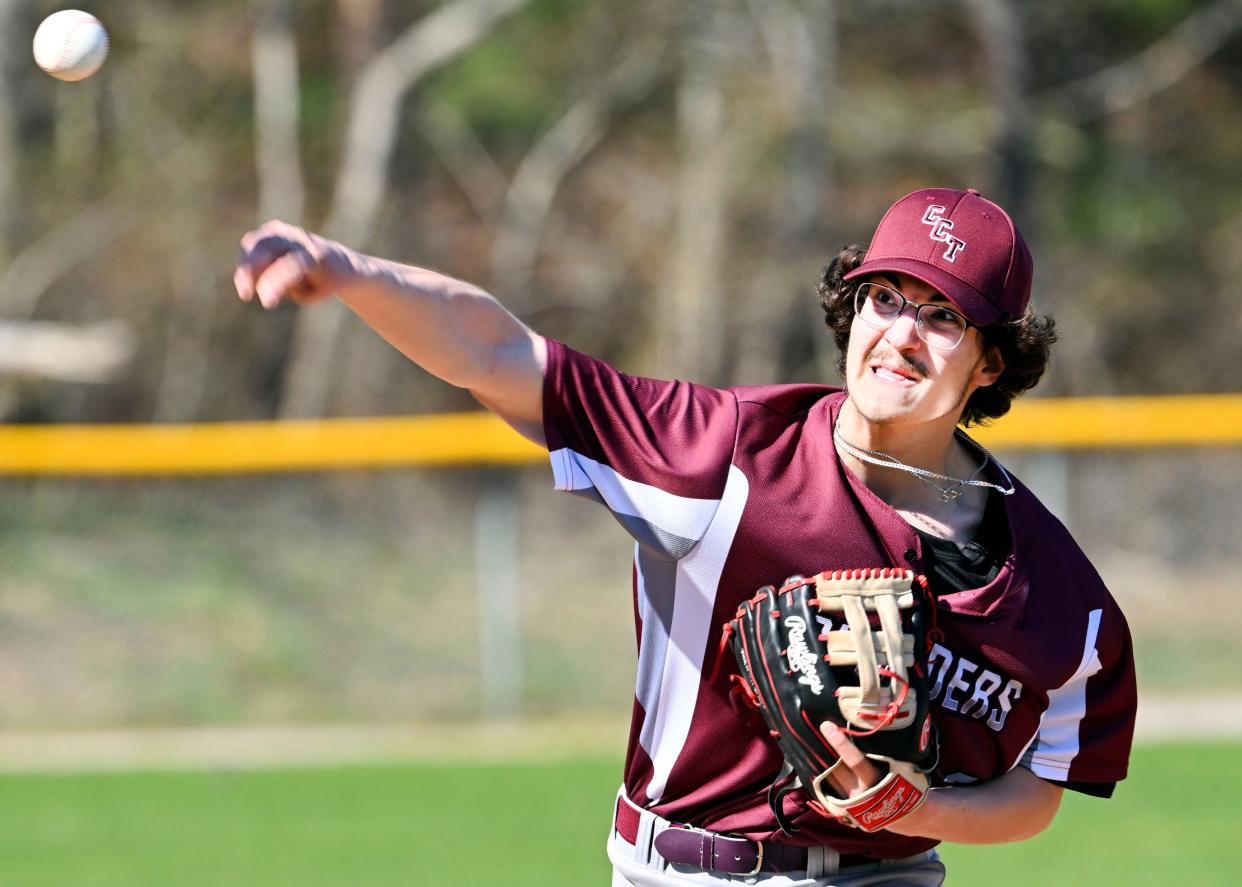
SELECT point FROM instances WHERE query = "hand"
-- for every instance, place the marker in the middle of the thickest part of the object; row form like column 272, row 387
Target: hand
column 280, row 261
column 856, row 773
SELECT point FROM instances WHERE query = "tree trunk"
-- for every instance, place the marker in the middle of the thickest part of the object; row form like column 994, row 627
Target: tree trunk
column 691, row 302
column 10, row 142
column 375, row 108
column 1000, row 32
column 782, row 333
column 274, row 57
column 193, row 278
column 528, row 201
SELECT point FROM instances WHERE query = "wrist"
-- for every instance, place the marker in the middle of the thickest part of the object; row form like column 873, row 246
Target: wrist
column 358, row 275
column 921, row 821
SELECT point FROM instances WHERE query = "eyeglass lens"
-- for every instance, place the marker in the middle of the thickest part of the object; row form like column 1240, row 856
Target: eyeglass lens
column 879, row 306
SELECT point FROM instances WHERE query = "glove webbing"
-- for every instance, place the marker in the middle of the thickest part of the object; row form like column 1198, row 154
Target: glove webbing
column 871, row 706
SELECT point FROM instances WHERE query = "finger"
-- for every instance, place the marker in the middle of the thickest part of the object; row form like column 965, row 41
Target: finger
column 286, row 277
column 846, row 780
column 273, row 228
column 255, row 257
column 846, row 750
column 842, row 785
column 850, row 754
column 259, row 249
column 244, row 284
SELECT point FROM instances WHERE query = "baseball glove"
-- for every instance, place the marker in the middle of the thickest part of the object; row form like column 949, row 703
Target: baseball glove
column 865, row 671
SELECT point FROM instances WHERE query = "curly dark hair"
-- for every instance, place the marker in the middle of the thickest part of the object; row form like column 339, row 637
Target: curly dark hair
column 1024, row 342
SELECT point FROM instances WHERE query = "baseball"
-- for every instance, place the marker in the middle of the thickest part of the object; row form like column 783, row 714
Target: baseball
column 70, row 44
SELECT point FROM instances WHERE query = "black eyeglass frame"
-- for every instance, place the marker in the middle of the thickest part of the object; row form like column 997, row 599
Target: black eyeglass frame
column 860, row 297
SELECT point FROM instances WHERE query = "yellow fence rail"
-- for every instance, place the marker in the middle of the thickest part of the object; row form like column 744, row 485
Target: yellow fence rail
column 480, row 439
column 454, row 439
column 1118, row 423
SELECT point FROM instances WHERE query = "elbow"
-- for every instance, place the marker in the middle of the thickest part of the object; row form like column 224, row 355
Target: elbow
column 1038, row 815
column 1015, row 808
column 1042, row 817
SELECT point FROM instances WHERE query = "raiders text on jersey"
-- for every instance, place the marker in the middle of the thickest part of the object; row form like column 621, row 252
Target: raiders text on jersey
column 963, row 687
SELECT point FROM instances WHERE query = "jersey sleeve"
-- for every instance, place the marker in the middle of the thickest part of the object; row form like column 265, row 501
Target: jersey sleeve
column 1086, row 732
column 655, row 453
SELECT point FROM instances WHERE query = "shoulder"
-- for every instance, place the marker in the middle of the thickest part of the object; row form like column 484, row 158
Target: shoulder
column 566, row 366
column 1041, row 535
column 1059, row 571
column 575, row 381
column 674, row 436
column 786, row 400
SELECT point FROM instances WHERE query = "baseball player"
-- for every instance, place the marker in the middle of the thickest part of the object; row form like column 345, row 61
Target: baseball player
column 1030, row 676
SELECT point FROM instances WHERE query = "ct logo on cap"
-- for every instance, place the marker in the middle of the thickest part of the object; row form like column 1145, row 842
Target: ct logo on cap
column 940, row 228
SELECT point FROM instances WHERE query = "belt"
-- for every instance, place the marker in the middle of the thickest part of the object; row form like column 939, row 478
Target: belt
column 729, row 854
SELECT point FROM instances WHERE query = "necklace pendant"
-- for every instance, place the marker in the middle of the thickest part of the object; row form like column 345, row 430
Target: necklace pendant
column 950, row 495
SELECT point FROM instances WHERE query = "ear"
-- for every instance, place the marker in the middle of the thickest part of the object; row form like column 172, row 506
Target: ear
column 991, row 365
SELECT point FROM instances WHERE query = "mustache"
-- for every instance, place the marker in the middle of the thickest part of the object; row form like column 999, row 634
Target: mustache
column 909, row 363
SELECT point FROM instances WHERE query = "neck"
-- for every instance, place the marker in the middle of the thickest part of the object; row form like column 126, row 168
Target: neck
column 950, row 505
column 930, row 445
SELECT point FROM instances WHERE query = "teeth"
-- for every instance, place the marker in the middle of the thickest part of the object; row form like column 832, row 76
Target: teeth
column 889, row 374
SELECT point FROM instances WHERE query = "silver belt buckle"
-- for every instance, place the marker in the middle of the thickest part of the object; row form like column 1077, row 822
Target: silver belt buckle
column 715, row 853
column 758, row 860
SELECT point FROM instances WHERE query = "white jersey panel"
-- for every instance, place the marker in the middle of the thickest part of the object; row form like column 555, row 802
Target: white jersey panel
column 697, row 579
column 1056, row 744
column 672, row 523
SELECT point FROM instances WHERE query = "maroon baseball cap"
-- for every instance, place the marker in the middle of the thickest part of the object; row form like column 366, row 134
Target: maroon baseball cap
column 963, row 245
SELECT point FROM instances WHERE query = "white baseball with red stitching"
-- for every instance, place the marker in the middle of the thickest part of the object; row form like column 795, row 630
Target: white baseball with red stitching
column 70, row 45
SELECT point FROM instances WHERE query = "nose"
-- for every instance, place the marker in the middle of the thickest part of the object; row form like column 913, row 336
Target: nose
column 904, row 333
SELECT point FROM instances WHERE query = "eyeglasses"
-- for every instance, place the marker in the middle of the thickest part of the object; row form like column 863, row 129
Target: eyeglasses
column 879, row 306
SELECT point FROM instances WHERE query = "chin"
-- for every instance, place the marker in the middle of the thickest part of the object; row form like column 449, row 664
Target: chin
column 895, row 407
column 879, row 403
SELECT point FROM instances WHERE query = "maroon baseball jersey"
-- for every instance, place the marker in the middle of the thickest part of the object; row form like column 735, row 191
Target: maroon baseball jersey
column 725, row 491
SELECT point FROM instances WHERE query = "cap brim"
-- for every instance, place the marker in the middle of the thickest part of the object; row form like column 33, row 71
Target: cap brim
column 968, row 300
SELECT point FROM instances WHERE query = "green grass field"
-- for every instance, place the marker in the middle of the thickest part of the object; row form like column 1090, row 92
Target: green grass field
column 528, row 824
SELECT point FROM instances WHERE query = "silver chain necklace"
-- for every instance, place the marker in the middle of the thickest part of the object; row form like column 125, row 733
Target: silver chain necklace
column 947, row 494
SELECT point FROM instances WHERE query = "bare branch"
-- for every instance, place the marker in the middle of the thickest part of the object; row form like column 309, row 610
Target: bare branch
column 168, row 152
column 801, row 43
column 33, row 271
column 375, row 108
column 467, row 159
column 561, row 147
column 801, row 46
column 187, row 339
column 1153, row 70
column 10, row 92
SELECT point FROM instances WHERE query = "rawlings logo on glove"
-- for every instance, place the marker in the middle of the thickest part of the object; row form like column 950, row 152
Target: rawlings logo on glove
column 870, row 680
column 800, row 657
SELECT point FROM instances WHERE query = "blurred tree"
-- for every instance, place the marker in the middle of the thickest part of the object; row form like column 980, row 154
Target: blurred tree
column 277, row 98
column 10, row 143
column 360, row 35
column 527, row 203
column 1000, row 33
column 375, row 107
column 1157, row 67
column 657, row 184
column 780, row 332
column 689, row 335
